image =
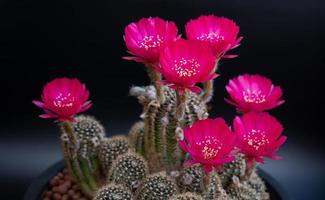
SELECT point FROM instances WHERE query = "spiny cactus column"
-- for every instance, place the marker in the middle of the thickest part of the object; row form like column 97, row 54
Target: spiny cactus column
column 136, row 135
column 81, row 156
column 157, row 139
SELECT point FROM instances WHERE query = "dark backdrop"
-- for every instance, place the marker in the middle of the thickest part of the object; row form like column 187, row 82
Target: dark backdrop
column 41, row 40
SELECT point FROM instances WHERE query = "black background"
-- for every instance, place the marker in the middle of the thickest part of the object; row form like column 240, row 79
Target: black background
column 41, row 40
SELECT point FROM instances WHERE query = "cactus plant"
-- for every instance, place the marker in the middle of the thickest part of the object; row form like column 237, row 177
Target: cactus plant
column 174, row 152
column 82, row 158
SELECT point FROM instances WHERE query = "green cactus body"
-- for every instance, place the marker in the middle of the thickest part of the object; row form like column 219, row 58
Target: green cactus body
column 234, row 168
column 191, row 179
column 136, row 137
column 129, row 170
column 110, row 149
column 186, row 196
column 157, row 187
column 81, row 155
column 113, row 192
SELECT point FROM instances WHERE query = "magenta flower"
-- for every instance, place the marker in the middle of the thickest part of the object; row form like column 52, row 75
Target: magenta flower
column 63, row 98
column 209, row 142
column 258, row 135
column 253, row 93
column 220, row 33
column 145, row 38
column 185, row 63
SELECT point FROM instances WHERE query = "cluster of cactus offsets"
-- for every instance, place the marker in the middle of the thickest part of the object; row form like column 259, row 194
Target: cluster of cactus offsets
column 119, row 167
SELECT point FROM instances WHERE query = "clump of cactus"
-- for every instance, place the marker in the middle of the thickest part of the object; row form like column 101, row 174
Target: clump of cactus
column 174, row 151
column 120, row 168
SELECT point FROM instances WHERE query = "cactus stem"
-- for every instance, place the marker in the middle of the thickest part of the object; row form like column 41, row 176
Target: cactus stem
column 84, row 166
column 81, row 180
column 156, row 80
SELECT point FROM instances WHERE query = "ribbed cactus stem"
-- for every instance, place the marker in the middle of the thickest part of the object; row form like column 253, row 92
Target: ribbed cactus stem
column 73, row 165
column 171, row 142
column 208, row 87
column 82, row 182
column 149, row 128
column 86, row 171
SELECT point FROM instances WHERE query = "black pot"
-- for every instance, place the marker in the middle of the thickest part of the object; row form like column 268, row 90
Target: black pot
column 39, row 186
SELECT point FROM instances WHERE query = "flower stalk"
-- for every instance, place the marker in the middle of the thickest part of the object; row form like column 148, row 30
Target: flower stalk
column 68, row 129
column 208, row 87
column 156, row 80
column 181, row 104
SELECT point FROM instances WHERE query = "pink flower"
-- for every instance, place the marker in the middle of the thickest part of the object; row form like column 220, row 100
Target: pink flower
column 145, row 38
column 185, row 63
column 221, row 33
column 258, row 135
column 209, row 142
column 63, row 98
column 253, row 93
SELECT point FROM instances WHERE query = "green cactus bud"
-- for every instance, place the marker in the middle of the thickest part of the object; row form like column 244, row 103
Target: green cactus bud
column 113, row 192
column 110, row 149
column 129, row 170
column 234, row 168
column 191, row 179
column 157, row 187
column 186, row 196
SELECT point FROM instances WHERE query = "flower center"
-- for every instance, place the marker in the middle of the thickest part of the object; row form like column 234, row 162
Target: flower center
column 211, row 147
column 150, row 41
column 63, row 101
column 186, row 67
column 256, row 138
column 254, row 96
column 211, row 37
